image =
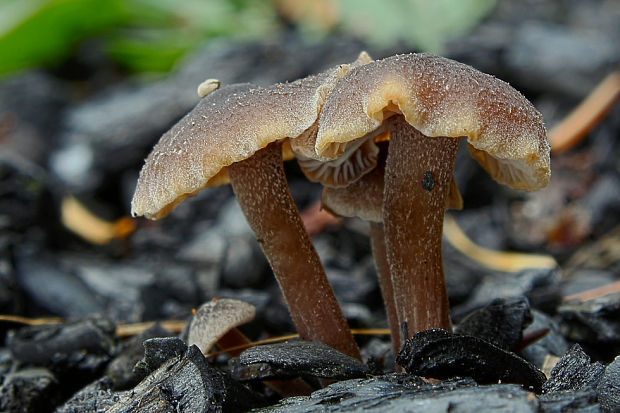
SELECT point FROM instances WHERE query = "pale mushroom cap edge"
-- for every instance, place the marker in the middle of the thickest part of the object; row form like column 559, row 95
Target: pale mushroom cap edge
column 441, row 97
column 227, row 126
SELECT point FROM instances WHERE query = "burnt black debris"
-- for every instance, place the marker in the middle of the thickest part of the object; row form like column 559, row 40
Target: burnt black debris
column 28, row 390
column 539, row 285
column 569, row 401
column 574, row 371
column 295, row 359
column 441, row 354
column 595, row 322
column 81, row 346
column 187, row 384
column 398, row 392
column 575, row 379
column 553, row 343
column 94, row 397
column 159, row 350
column 501, row 322
column 608, row 388
column 122, row 368
column 64, row 293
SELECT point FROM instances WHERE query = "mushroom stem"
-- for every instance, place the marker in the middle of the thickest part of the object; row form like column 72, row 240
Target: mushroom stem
column 262, row 190
column 417, row 182
column 377, row 243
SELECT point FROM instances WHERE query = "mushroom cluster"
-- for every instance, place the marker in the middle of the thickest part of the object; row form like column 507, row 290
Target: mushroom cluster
column 419, row 105
column 380, row 136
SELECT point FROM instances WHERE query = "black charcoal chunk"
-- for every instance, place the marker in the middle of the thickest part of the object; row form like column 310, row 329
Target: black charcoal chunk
column 293, row 359
column 187, row 385
column 121, row 369
column 574, row 372
column 55, row 289
column 593, row 321
column 29, row 390
column 7, row 362
column 539, row 285
column 553, row 343
column 501, row 322
column 94, row 398
column 157, row 351
column 441, row 355
column 83, row 345
column 569, row 401
column 397, row 393
column 609, row 387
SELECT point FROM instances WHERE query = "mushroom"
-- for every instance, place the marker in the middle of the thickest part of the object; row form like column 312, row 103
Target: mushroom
column 364, row 199
column 425, row 102
column 216, row 322
column 237, row 134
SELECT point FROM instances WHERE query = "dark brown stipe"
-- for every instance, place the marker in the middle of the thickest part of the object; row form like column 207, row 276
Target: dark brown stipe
column 377, row 243
column 261, row 188
column 413, row 221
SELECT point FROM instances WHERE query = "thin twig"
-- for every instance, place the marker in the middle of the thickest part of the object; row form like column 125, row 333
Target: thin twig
column 613, row 287
column 588, row 114
column 496, row 260
column 30, row 321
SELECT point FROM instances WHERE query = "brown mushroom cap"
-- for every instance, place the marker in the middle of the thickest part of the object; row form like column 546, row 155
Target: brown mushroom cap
column 441, row 97
column 228, row 125
column 216, row 318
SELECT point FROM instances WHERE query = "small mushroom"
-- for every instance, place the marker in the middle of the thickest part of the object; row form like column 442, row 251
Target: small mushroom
column 364, row 199
column 216, row 322
column 425, row 102
column 235, row 134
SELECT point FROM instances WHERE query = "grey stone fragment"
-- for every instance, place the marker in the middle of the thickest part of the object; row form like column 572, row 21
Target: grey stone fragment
column 581, row 280
column 565, row 61
column 117, row 285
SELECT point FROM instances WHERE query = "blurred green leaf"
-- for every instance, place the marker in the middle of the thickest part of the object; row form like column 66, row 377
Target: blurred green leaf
column 422, row 23
column 148, row 55
column 142, row 35
column 37, row 31
column 164, row 30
